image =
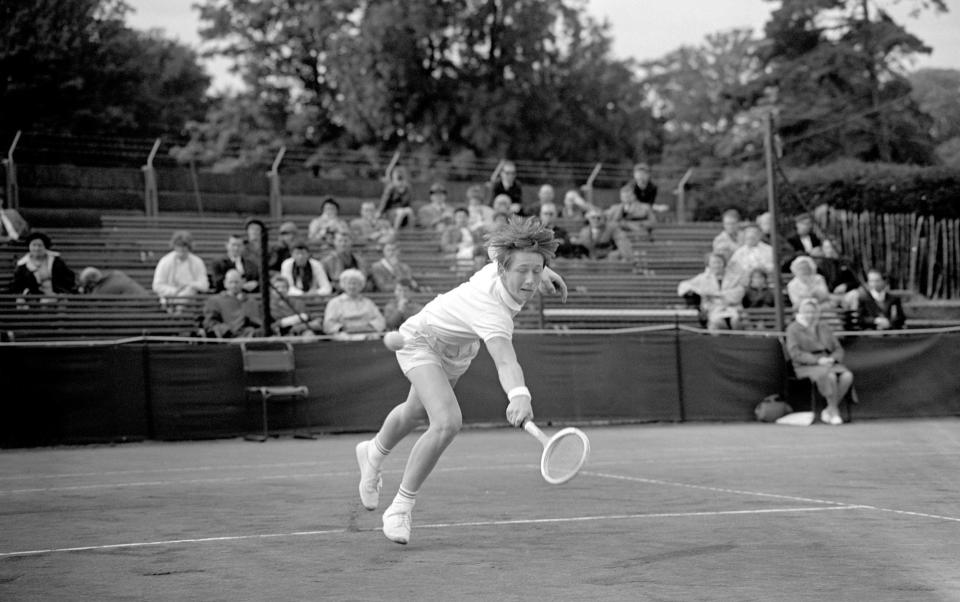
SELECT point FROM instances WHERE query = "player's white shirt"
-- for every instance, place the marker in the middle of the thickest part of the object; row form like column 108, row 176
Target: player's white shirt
column 480, row 307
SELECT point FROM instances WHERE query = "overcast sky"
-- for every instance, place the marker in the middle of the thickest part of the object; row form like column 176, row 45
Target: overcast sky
column 641, row 32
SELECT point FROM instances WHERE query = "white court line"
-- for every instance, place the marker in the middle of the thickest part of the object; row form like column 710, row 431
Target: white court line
column 770, row 495
column 490, row 523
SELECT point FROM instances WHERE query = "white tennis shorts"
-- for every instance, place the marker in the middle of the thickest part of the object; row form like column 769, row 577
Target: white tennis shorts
column 424, row 348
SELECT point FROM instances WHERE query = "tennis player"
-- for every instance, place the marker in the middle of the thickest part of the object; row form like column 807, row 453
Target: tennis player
column 441, row 342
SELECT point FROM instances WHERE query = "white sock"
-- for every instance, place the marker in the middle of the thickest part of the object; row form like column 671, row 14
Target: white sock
column 405, row 499
column 376, row 453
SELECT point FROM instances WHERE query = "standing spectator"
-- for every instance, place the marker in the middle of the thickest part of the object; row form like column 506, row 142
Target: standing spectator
column 644, row 189
column 804, row 241
column 251, row 245
column 719, row 297
column 632, row 215
column 282, row 250
column 370, row 229
column 817, row 355
column 752, row 254
column 396, row 202
column 400, row 307
column 603, row 240
column 459, row 241
column 481, row 215
column 389, row 271
column 507, row 184
column 306, row 275
column 248, row 267
column 232, row 313
column 109, row 282
column 350, row 315
column 289, row 312
column 436, row 214
column 324, row 227
column 180, row 273
column 341, row 258
column 730, row 239
column 807, row 283
column 876, row 307
column 566, row 249
column 42, row 271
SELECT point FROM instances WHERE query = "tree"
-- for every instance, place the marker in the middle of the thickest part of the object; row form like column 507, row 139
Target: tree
column 937, row 92
column 690, row 88
column 833, row 68
column 72, row 66
column 526, row 78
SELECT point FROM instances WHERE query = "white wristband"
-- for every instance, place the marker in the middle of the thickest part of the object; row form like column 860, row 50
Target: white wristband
column 517, row 391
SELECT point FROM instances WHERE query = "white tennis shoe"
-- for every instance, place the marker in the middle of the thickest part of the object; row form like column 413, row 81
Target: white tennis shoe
column 370, row 480
column 396, row 523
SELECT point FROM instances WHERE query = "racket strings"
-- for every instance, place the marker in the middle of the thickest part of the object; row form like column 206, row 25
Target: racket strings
column 564, row 457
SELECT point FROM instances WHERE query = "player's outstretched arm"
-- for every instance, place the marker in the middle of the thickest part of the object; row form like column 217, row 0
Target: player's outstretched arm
column 504, row 357
column 552, row 284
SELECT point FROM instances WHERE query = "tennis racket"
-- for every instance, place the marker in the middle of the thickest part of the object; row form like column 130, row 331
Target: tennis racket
column 564, row 454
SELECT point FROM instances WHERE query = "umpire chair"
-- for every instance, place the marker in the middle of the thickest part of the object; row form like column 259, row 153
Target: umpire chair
column 268, row 369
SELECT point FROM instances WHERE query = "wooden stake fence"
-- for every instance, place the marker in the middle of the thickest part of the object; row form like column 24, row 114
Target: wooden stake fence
column 919, row 253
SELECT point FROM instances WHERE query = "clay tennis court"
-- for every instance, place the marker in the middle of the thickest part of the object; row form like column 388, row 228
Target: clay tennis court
column 867, row 511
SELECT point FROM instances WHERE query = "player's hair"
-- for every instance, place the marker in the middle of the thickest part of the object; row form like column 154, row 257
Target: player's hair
column 521, row 234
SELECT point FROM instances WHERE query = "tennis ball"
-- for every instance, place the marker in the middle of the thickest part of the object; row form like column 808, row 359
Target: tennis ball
column 394, row 341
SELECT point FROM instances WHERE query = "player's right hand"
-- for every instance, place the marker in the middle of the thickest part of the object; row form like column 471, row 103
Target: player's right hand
column 519, row 410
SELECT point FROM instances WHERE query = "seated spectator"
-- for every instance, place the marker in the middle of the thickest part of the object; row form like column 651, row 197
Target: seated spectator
column 835, row 270
column 567, row 249
column 575, row 206
column 281, row 251
column 875, row 306
column 180, row 273
column 342, row 257
column 460, row 242
column 396, row 202
column 42, row 271
column 764, row 221
column 370, row 229
column 807, row 283
column 324, row 227
column 350, row 315
column 436, row 214
column 546, row 195
column 481, row 215
column 305, row 275
column 248, row 267
column 232, row 313
column 719, row 297
column 758, row 293
column 804, row 241
column 631, row 215
column 400, row 307
column 388, row 271
column 644, row 190
column 603, row 240
column 730, row 239
column 502, row 204
column 751, row 255
column 290, row 313
column 816, row 355
column 109, row 282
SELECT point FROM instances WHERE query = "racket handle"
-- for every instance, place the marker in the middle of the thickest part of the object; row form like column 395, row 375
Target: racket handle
column 534, row 430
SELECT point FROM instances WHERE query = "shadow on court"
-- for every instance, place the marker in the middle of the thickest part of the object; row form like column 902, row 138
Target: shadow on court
column 868, row 511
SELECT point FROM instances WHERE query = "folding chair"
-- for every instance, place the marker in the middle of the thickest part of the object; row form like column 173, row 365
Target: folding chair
column 269, row 372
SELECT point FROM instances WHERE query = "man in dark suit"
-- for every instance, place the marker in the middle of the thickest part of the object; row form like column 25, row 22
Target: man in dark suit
column 236, row 260
column 877, row 307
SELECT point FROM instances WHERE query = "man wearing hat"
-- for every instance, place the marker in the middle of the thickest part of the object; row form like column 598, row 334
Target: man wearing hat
column 42, row 271
column 281, row 251
column 436, row 214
